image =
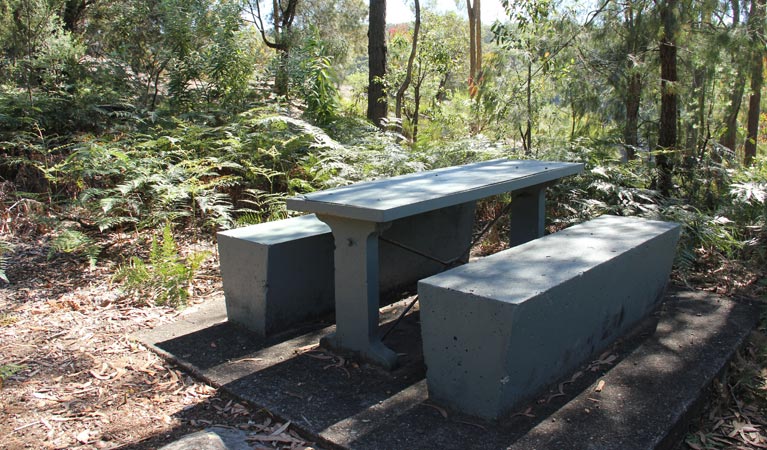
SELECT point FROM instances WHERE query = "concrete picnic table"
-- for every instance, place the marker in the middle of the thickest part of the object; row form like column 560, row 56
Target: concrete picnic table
column 357, row 214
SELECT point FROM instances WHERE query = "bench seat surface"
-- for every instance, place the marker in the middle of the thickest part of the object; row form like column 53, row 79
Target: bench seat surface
column 279, row 231
column 519, row 273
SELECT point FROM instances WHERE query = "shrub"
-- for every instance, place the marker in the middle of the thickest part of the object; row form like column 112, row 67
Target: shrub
column 166, row 277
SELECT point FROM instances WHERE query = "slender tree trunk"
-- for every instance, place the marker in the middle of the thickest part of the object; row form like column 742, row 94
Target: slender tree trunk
column 756, row 31
column 475, row 45
column 472, row 45
column 377, row 104
column 729, row 135
column 728, row 138
column 697, row 125
column 527, row 137
column 282, row 77
column 478, row 43
column 667, row 132
column 409, row 72
column 417, row 106
column 442, row 90
column 72, row 14
column 633, row 100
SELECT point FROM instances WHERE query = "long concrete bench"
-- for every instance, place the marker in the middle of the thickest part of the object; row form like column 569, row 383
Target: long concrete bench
column 498, row 330
column 278, row 274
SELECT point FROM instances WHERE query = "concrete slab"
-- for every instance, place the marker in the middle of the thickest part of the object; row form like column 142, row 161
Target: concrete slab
column 213, row 438
column 657, row 378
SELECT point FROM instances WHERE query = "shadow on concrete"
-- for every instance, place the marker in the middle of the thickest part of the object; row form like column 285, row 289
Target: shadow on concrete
column 647, row 392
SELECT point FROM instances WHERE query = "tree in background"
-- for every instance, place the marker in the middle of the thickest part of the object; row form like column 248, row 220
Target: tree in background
column 533, row 35
column 635, row 42
column 377, row 101
column 475, row 46
column 282, row 16
column 340, row 25
column 756, row 33
column 667, row 130
column 734, row 37
column 400, row 96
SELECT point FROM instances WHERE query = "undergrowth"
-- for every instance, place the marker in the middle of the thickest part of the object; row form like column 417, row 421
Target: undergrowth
column 166, row 276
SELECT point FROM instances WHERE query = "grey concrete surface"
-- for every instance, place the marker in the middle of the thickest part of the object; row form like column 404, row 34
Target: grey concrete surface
column 497, row 330
column 659, row 372
column 359, row 214
column 366, row 265
column 213, row 438
column 407, row 195
column 277, row 274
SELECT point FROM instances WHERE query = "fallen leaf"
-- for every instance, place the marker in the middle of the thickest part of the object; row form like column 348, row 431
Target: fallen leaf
column 249, row 359
column 281, row 428
column 102, row 377
column 270, row 438
column 526, row 413
column 442, row 412
column 306, row 348
column 44, row 396
column 83, row 436
column 600, row 386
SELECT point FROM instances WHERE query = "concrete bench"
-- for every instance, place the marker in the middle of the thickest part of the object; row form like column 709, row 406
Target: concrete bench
column 279, row 274
column 498, row 330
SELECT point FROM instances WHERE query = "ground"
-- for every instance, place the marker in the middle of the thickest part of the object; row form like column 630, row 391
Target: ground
column 81, row 382
column 72, row 377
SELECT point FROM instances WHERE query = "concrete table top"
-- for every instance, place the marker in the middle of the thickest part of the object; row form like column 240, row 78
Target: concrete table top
column 397, row 197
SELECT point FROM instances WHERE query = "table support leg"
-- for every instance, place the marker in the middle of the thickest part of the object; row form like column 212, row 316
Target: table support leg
column 357, row 290
column 528, row 215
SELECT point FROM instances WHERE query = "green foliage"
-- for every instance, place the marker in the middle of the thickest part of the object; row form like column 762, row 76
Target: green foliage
column 8, row 370
column 5, row 248
column 66, row 239
column 166, row 277
column 704, row 237
column 366, row 153
column 319, row 89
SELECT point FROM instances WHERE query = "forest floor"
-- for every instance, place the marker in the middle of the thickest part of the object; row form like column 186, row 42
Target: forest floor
column 70, row 377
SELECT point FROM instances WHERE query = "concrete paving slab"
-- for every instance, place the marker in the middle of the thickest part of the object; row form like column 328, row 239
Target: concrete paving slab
column 213, row 438
column 655, row 379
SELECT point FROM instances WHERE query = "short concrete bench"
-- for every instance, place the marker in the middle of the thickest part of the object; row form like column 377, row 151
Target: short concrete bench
column 279, row 274
column 498, row 330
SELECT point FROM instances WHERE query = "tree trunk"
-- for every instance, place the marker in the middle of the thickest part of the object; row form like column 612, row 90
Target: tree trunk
column 417, row 106
column 282, row 77
column 667, row 132
column 728, row 138
column 527, row 136
column 377, row 105
column 633, row 100
column 697, row 124
column 756, row 32
column 442, row 89
column 478, row 43
column 729, row 135
column 72, row 14
column 475, row 46
column 472, row 45
column 282, row 25
column 409, row 72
